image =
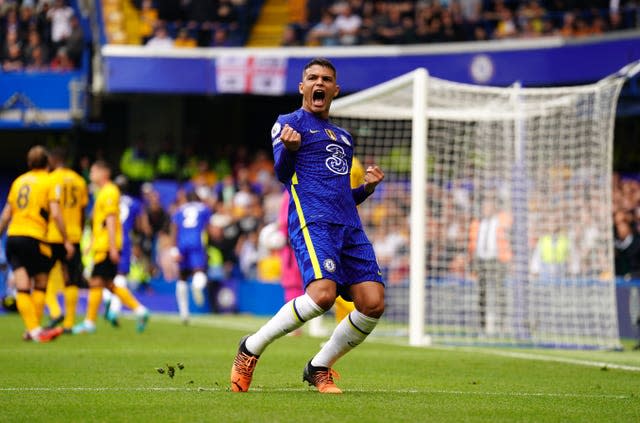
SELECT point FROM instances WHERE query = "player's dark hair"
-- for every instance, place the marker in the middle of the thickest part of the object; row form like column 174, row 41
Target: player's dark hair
column 320, row 61
column 38, row 157
column 58, row 153
column 193, row 196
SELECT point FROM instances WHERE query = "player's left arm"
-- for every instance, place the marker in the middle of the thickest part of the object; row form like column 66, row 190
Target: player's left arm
column 110, row 223
column 372, row 178
column 56, row 216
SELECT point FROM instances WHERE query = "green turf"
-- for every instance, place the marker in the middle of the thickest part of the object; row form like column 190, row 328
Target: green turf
column 111, row 376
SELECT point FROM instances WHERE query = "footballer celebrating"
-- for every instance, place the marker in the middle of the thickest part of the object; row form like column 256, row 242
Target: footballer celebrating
column 313, row 158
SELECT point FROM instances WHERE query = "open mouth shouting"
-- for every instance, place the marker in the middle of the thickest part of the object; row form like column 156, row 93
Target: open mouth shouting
column 318, row 98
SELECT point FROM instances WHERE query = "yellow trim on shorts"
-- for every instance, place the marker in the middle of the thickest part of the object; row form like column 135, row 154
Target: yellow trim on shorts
column 317, row 273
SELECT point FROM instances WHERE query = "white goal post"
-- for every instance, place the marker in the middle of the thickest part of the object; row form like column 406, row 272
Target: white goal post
column 493, row 225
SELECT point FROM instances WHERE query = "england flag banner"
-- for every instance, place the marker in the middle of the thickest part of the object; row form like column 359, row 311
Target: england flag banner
column 251, row 75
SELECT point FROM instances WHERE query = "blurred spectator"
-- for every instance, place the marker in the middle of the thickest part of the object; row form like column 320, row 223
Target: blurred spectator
column 62, row 62
column 324, row 33
column 184, row 40
column 160, row 39
column 137, row 165
column 148, row 20
column 13, row 61
column 224, row 235
column 390, row 30
column 627, row 251
column 290, row 37
column 34, row 41
column 221, row 38
column 75, row 41
column 37, row 61
column 506, row 27
column 60, row 16
column 348, row 25
column 158, row 217
column 490, row 254
column 166, row 162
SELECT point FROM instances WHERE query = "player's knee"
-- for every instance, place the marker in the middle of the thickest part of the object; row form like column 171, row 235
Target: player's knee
column 323, row 298
column 373, row 309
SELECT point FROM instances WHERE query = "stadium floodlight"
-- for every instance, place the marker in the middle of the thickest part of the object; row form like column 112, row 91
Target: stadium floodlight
column 493, row 225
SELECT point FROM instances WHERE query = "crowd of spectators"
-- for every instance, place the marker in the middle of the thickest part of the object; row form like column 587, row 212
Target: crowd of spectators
column 241, row 189
column 626, row 221
column 195, row 23
column 39, row 35
column 357, row 22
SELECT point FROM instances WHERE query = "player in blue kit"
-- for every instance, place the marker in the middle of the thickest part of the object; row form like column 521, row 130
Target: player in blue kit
column 188, row 225
column 313, row 158
column 132, row 217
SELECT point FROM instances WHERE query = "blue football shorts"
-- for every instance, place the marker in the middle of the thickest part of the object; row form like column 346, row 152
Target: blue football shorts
column 340, row 253
column 193, row 258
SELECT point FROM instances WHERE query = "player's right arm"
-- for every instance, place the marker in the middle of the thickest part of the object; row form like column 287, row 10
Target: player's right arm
column 286, row 141
column 5, row 217
column 7, row 212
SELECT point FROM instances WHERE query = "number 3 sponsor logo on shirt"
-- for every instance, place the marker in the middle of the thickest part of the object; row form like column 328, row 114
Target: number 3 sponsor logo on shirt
column 336, row 162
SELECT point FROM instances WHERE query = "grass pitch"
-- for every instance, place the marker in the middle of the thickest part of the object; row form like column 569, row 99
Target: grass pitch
column 112, row 376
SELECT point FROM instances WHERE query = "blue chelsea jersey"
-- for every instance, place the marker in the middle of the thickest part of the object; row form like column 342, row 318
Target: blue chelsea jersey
column 191, row 220
column 130, row 209
column 318, row 174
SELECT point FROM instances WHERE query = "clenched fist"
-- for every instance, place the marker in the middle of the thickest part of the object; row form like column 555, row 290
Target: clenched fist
column 290, row 138
column 372, row 178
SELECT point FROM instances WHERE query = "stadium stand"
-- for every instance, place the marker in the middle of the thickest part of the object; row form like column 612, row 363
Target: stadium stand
column 357, row 22
column 200, row 23
column 42, row 36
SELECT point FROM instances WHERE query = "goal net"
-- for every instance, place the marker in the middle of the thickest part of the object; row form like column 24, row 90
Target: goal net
column 493, row 224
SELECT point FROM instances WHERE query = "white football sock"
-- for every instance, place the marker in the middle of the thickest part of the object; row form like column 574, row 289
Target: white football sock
column 349, row 333
column 182, row 297
column 290, row 317
column 116, row 305
column 198, row 284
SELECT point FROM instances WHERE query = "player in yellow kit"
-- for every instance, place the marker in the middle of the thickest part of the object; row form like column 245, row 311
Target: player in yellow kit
column 25, row 217
column 106, row 246
column 70, row 191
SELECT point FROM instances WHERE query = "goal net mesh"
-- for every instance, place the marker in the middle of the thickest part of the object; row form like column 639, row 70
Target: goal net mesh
column 518, row 194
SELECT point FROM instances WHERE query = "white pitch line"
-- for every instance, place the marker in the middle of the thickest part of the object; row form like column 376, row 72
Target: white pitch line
column 549, row 358
column 249, row 326
column 359, row 391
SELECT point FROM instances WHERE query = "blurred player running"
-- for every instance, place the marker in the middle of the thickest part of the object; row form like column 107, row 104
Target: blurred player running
column 71, row 194
column 313, row 158
column 31, row 200
column 188, row 225
column 106, row 245
column 132, row 217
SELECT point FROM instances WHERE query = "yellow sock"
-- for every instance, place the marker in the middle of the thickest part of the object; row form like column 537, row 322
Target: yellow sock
column 27, row 310
column 51, row 300
column 38, row 302
column 70, row 303
column 343, row 308
column 126, row 297
column 93, row 304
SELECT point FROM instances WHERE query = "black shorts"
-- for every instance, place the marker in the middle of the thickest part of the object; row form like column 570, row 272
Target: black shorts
column 30, row 253
column 74, row 264
column 106, row 269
